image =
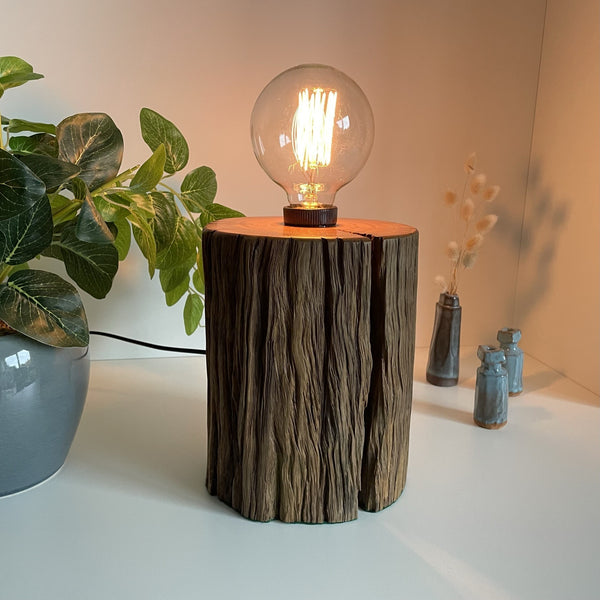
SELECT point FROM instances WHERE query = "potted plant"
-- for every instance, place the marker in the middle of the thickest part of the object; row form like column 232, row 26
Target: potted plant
column 64, row 195
column 474, row 223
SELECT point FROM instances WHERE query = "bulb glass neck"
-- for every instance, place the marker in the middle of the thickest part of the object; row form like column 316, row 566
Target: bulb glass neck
column 310, row 195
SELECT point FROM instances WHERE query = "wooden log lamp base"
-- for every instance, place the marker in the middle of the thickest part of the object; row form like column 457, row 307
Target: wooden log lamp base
column 310, row 350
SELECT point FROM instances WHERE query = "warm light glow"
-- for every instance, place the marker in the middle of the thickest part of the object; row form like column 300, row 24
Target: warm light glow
column 309, row 194
column 312, row 128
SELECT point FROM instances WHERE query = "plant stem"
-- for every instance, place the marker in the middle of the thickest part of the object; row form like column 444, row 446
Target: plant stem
column 454, row 277
column 4, row 272
column 170, row 189
column 124, row 176
column 71, row 208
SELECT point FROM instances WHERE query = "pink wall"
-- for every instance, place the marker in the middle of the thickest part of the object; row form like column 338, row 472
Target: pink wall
column 558, row 295
column 444, row 79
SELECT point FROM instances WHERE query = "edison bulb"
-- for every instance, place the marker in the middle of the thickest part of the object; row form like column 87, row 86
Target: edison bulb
column 312, row 131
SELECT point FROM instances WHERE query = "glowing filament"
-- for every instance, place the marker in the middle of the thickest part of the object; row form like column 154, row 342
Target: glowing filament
column 312, row 128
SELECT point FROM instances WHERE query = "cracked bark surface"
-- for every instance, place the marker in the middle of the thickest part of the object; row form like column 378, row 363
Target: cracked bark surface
column 310, row 349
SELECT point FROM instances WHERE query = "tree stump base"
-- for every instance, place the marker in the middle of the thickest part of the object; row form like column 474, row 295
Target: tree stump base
column 310, row 349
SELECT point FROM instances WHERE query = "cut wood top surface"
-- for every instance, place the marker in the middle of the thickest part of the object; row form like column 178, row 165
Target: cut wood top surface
column 273, row 227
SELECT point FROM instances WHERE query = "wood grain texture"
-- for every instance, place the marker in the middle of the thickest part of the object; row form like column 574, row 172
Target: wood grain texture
column 387, row 417
column 291, row 347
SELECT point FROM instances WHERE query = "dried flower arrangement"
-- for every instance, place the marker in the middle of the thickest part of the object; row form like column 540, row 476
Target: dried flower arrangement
column 470, row 210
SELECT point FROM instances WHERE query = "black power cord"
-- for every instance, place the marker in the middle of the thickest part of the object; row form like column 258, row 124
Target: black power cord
column 122, row 338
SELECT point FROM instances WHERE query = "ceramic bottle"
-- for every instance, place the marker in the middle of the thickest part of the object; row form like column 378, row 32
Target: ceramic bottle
column 508, row 339
column 491, row 389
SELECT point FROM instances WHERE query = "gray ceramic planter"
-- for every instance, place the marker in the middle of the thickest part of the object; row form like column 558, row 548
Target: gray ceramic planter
column 42, row 393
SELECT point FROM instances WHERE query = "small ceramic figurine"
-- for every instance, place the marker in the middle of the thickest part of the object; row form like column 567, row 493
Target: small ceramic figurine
column 508, row 339
column 491, row 389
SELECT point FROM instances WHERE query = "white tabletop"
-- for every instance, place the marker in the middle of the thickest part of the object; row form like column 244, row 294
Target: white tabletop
column 486, row 515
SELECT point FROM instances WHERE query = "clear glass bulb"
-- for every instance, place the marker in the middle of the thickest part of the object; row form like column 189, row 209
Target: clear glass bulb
column 312, row 131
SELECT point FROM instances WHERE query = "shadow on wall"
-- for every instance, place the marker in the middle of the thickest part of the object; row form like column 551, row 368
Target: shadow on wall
column 545, row 218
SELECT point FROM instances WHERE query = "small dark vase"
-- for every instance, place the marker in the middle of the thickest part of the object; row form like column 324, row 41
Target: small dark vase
column 42, row 393
column 442, row 367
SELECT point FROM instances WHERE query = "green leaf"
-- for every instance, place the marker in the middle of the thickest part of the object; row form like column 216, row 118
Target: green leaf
column 93, row 142
column 20, row 125
column 119, row 199
column 157, row 130
column 52, row 171
column 165, row 219
column 23, row 144
column 91, row 227
column 192, row 313
column 171, row 278
column 123, row 238
column 174, row 296
column 109, row 209
column 198, row 278
column 214, row 212
column 45, row 307
column 40, row 143
column 15, row 71
column 63, row 209
column 182, row 247
column 144, row 237
column 20, row 189
column 17, row 79
column 79, row 188
column 141, row 204
column 150, row 173
column 91, row 266
column 25, row 236
column 198, row 189
column 54, row 251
